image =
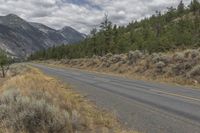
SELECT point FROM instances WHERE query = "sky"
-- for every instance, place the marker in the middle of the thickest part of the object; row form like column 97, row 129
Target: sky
column 83, row 15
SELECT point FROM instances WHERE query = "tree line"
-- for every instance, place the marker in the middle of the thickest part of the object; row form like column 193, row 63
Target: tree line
column 177, row 28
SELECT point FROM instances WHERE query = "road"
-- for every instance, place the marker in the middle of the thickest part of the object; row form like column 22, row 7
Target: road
column 143, row 106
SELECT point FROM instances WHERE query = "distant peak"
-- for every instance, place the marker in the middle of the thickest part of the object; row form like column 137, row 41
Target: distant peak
column 67, row 28
column 12, row 15
column 13, row 20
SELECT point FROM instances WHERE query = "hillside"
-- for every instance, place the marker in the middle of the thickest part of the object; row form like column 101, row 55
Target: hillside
column 163, row 47
column 181, row 67
column 21, row 38
column 177, row 28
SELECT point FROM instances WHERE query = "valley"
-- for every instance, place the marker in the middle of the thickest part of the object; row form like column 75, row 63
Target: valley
column 89, row 66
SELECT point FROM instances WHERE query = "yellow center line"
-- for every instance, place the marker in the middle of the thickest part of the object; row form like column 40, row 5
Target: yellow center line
column 177, row 95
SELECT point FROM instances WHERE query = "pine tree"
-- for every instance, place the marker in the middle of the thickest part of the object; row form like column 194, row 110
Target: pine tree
column 158, row 24
column 195, row 6
column 93, row 36
column 181, row 8
column 4, row 63
column 170, row 14
column 106, row 27
column 197, row 26
column 115, row 37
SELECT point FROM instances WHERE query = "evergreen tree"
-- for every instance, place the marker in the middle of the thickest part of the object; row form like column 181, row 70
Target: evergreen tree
column 195, row 6
column 115, row 38
column 106, row 27
column 170, row 14
column 158, row 24
column 93, row 36
column 181, row 8
column 4, row 63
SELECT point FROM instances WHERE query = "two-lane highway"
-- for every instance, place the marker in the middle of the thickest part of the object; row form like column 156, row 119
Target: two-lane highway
column 144, row 106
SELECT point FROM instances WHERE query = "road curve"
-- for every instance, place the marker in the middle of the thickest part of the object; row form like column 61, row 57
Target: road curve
column 143, row 106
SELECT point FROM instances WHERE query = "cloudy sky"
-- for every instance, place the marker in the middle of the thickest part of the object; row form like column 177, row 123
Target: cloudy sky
column 83, row 15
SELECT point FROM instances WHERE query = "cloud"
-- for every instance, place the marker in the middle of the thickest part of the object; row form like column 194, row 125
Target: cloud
column 83, row 15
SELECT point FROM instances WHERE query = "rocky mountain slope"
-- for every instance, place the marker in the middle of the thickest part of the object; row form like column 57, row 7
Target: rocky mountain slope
column 20, row 38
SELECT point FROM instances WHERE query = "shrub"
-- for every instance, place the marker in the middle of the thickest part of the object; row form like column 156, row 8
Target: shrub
column 103, row 59
column 166, row 59
column 106, row 64
column 133, row 56
column 191, row 54
column 195, row 71
column 108, row 55
column 32, row 114
column 95, row 57
column 179, row 69
column 159, row 66
column 116, row 58
column 179, row 57
column 65, row 61
column 155, row 58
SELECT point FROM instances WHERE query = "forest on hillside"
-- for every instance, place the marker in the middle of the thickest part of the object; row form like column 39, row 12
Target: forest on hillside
column 177, row 28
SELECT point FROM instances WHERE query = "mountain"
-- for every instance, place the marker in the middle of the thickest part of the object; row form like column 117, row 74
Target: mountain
column 67, row 35
column 176, row 29
column 20, row 38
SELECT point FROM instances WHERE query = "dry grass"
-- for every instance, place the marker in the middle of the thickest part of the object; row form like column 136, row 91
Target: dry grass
column 179, row 67
column 84, row 117
column 130, row 73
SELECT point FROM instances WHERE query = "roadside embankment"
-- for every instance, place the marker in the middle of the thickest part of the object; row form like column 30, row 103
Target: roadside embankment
column 181, row 67
column 33, row 102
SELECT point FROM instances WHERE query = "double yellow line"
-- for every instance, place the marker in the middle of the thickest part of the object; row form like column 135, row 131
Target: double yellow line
column 176, row 95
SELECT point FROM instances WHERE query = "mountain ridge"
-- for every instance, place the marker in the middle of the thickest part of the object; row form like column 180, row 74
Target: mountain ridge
column 20, row 38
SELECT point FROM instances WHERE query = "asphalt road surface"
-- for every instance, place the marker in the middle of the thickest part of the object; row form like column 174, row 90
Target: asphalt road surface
column 143, row 106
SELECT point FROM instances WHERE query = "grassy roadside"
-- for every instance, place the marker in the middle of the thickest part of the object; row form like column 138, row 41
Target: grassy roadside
column 177, row 67
column 33, row 102
column 177, row 81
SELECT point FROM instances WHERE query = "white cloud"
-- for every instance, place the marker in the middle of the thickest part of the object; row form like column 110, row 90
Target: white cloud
column 83, row 14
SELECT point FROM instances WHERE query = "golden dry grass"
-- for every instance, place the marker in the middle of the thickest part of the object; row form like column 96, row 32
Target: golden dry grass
column 92, row 119
column 144, row 69
column 130, row 74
